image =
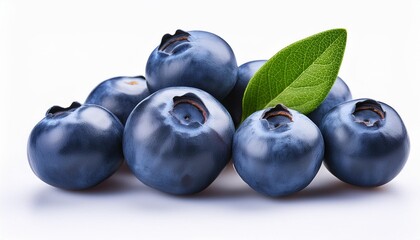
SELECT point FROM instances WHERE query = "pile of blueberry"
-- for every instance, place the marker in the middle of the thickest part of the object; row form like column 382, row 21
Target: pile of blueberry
column 181, row 125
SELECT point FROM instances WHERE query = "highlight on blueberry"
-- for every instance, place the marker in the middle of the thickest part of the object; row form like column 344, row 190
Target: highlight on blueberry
column 119, row 95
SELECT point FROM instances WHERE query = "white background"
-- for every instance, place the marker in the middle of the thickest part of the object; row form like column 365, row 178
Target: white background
column 55, row 52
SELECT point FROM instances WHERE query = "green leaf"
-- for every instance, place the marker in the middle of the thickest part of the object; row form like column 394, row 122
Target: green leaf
column 298, row 76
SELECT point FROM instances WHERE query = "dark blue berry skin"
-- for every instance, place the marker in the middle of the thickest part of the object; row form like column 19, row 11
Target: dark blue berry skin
column 233, row 101
column 339, row 93
column 119, row 95
column 178, row 140
column 277, row 151
column 366, row 142
column 76, row 148
column 196, row 59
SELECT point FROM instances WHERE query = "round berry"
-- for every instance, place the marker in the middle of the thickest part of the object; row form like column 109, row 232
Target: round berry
column 277, row 151
column 366, row 142
column 178, row 140
column 195, row 59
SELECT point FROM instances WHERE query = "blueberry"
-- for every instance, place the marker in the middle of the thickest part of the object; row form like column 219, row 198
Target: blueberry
column 339, row 93
column 119, row 95
column 233, row 101
column 277, row 151
column 366, row 142
column 76, row 147
column 196, row 59
column 178, row 140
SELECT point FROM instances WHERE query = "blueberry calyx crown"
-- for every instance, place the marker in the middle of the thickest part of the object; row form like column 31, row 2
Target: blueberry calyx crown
column 189, row 110
column 277, row 116
column 57, row 110
column 368, row 113
column 134, row 82
column 169, row 42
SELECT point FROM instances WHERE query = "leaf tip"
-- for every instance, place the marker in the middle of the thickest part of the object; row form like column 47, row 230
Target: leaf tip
column 342, row 31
